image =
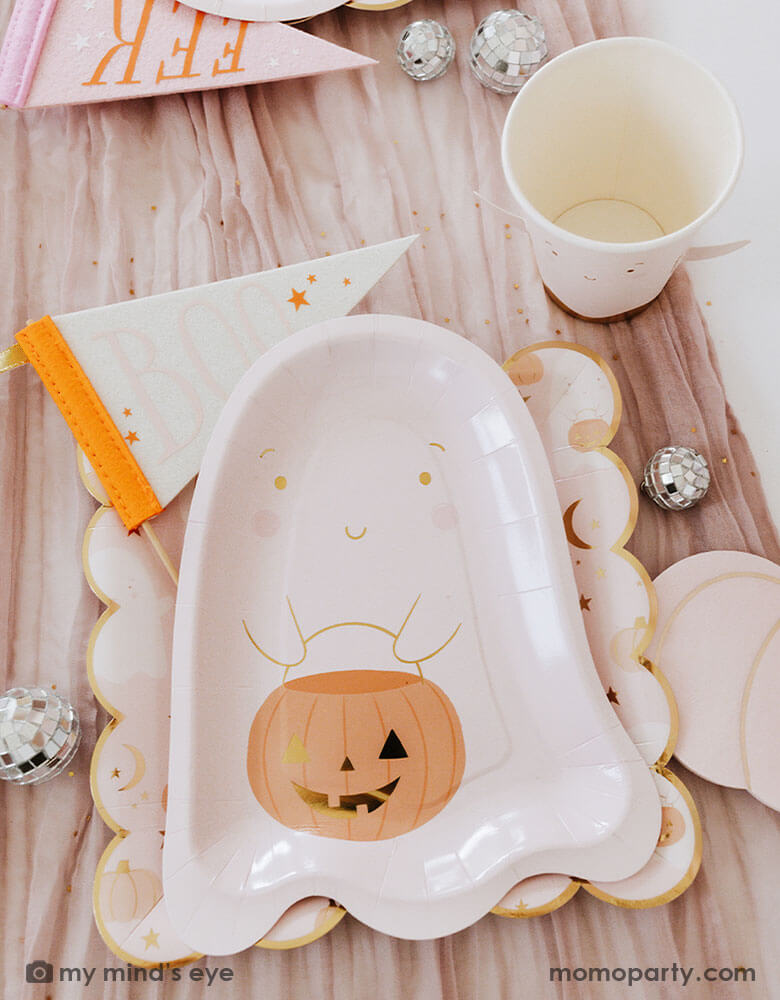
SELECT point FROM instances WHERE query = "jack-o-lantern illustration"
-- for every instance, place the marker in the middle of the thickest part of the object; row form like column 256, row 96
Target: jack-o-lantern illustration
column 356, row 754
column 129, row 893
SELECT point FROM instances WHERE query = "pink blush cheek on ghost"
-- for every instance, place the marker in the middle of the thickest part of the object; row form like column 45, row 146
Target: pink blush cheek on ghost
column 266, row 523
column 445, row 517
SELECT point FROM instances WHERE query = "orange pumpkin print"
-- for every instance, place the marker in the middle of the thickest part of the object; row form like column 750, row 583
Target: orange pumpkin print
column 585, row 435
column 129, row 893
column 672, row 826
column 525, row 369
column 356, row 754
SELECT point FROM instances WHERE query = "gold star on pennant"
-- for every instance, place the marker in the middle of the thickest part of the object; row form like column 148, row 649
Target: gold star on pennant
column 612, row 696
column 312, row 278
column 298, row 299
column 151, row 939
column 115, row 773
column 601, row 572
column 347, row 282
column 131, row 437
column 585, row 602
column 127, row 412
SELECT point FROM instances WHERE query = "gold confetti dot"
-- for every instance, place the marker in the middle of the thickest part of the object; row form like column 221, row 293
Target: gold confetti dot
column 425, row 478
column 238, row 183
column 487, row 322
column 509, row 236
column 94, row 263
column 322, row 234
column 132, row 260
column 616, row 357
column 693, row 430
column 427, row 229
column 280, row 483
column 154, row 208
column 446, row 319
column 520, row 312
column 132, row 291
column 558, row 332
column 527, row 320
column 708, row 302
column 68, row 888
column 507, row 225
column 516, row 285
column 476, row 204
column 725, row 461
column 54, row 687
column 71, row 773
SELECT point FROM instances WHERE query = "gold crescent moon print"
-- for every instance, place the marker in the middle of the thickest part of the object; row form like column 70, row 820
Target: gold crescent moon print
column 140, row 767
column 571, row 535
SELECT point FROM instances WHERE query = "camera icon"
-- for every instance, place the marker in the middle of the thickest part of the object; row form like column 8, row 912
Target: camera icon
column 39, row 972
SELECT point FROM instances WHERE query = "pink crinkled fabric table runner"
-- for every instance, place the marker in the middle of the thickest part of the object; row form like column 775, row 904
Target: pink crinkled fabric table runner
column 101, row 203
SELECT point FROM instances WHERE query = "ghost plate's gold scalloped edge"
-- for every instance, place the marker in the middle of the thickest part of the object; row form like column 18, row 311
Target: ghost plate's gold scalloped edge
column 690, row 874
column 117, row 717
column 619, row 549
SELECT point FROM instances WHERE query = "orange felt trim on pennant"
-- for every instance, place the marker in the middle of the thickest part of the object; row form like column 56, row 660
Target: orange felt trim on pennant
column 88, row 419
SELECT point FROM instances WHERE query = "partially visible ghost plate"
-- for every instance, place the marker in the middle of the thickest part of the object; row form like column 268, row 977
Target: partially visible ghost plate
column 382, row 688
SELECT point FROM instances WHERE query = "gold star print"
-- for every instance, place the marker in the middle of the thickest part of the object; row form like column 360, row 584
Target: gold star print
column 601, row 572
column 298, row 299
column 115, row 773
column 127, row 412
column 595, row 524
column 612, row 696
column 347, row 282
column 151, row 939
column 312, row 278
column 585, row 602
column 131, row 437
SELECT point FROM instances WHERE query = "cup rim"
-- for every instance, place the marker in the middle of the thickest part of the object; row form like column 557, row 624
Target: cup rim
column 585, row 242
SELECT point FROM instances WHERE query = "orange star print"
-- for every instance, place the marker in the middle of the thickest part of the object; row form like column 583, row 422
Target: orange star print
column 298, row 299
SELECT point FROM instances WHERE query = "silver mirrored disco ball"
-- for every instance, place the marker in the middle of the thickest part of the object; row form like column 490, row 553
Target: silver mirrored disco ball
column 506, row 49
column 425, row 50
column 676, row 478
column 39, row 734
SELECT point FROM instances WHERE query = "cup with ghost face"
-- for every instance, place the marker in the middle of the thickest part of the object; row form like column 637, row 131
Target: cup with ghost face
column 617, row 152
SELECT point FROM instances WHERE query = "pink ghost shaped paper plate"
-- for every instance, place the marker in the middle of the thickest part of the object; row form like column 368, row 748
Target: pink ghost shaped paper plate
column 307, row 648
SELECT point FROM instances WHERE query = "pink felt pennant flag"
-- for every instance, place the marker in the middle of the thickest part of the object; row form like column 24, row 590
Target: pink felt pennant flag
column 83, row 51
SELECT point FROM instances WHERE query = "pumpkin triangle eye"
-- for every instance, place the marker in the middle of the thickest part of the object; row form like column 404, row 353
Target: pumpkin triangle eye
column 347, row 765
column 393, row 748
column 295, row 752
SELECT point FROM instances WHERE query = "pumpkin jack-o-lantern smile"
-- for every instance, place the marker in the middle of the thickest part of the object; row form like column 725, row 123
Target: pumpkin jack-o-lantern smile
column 356, row 754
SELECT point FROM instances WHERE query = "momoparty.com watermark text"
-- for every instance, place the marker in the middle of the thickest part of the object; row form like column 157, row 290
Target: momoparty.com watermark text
column 679, row 974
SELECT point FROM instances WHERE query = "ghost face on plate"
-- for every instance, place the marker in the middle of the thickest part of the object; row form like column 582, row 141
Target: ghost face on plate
column 367, row 753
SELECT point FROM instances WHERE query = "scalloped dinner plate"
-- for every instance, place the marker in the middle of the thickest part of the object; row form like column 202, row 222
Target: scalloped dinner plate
column 264, row 10
column 283, row 10
column 382, row 689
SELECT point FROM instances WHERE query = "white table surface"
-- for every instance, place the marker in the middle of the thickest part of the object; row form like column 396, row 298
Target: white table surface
column 739, row 293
